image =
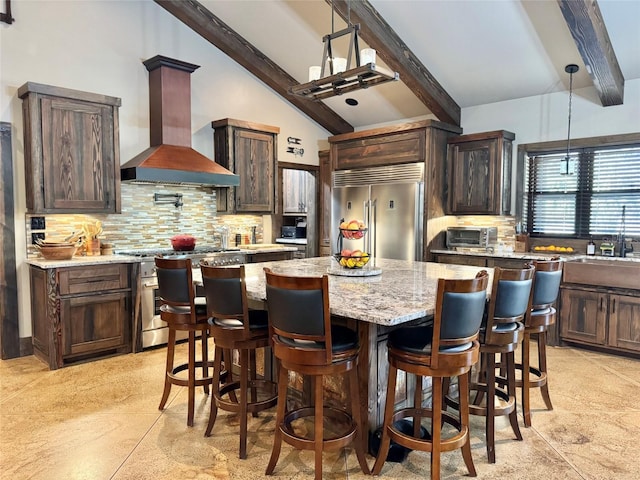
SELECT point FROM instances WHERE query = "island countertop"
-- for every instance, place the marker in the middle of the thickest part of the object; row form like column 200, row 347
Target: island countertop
column 404, row 291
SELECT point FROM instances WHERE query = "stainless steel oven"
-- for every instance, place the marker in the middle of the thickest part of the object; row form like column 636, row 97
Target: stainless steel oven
column 154, row 330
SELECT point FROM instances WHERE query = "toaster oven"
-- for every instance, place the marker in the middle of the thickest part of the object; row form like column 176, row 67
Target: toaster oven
column 472, row 237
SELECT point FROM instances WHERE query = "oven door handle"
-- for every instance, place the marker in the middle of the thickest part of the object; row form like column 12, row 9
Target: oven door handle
column 150, row 285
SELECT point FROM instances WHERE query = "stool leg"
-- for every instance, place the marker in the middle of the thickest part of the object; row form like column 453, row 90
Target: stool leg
column 511, row 390
column 526, row 406
column 283, row 383
column 252, row 370
column 542, row 363
column 318, row 426
column 357, row 418
column 171, row 348
column 436, row 426
column 228, row 366
column 482, row 378
column 191, row 381
column 244, row 387
column 417, row 403
column 204, row 337
column 463, row 385
column 490, row 378
column 217, row 368
column 385, row 441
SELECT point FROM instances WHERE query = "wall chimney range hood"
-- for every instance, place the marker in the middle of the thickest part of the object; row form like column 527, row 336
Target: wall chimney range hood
column 170, row 159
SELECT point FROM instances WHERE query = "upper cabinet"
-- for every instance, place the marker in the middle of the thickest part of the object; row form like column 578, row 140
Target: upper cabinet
column 249, row 150
column 294, row 200
column 71, row 150
column 479, row 172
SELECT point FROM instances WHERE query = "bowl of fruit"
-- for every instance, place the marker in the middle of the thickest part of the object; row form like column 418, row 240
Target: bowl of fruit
column 353, row 230
column 352, row 258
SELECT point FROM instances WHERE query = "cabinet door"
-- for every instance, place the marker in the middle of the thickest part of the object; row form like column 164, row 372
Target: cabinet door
column 254, row 163
column 472, row 174
column 624, row 322
column 92, row 323
column 294, row 191
column 462, row 260
column 583, row 315
column 325, row 203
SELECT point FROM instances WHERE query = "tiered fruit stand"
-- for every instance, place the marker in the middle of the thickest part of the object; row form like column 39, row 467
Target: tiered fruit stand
column 352, row 265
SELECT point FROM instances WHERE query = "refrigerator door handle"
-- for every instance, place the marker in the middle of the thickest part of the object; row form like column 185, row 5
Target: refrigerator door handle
column 371, row 239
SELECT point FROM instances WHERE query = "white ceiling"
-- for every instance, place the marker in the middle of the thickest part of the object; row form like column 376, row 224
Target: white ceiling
column 480, row 51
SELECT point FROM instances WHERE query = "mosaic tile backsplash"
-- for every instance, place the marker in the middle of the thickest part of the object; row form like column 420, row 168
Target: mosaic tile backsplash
column 145, row 223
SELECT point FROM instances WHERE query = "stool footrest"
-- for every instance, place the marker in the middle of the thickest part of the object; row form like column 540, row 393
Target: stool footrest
column 252, row 407
column 539, row 381
column 183, row 382
column 335, row 415
column 426, row 445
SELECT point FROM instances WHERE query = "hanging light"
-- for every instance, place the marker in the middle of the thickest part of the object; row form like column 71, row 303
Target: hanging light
column 341, row 77
column 565, row 167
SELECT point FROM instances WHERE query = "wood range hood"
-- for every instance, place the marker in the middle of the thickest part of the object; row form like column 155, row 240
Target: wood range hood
column 170, row 159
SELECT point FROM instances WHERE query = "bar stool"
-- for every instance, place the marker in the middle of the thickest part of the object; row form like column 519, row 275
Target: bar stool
column 235, row 327
column 511, row 295
column 448, row 348
column 546, row 287
column 182, row 311
column 305, row 341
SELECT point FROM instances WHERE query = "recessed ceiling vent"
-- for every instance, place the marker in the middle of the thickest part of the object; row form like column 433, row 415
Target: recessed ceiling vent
column 170, row 159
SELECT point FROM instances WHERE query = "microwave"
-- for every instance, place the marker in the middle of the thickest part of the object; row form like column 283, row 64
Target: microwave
column 472, row 237
column 294, row 232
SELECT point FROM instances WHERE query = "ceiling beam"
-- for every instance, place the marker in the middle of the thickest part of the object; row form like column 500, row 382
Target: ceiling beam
column 202, row 21
column 587, row 27
column 396, row 54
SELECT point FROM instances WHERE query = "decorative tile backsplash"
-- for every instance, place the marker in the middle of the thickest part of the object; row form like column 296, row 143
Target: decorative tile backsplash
column 145, row 223
column 506, row 226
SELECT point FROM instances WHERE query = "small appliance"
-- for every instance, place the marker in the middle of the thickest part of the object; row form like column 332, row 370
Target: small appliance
column 471, row 237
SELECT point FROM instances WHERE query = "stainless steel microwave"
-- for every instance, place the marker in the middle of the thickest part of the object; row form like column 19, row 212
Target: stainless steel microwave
column 472, row 237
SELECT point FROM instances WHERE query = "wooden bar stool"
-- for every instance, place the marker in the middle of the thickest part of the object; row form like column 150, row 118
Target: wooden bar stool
column 500, row 335
column 235, row 327
column 182, row 311
column 305, row 341
column 546, row 287
column 448, row 348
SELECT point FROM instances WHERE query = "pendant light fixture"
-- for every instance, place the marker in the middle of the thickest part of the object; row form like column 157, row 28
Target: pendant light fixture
column 341, row 77
column 565, row 167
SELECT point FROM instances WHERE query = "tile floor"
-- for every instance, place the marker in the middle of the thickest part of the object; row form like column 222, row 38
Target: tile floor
column 100, row 421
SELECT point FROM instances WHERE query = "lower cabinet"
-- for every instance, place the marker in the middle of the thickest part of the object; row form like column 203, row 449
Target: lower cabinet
column 79, row 313
column 600, row 317
column 258, row 257
column 462, row 260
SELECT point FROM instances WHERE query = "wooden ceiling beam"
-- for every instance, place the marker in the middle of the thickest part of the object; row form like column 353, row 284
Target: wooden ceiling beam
column 587, row 27
column 193, row 14
column 396, row 54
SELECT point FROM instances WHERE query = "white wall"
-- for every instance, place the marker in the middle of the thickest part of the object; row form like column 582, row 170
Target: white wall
column 98, row 46
column 544, row 118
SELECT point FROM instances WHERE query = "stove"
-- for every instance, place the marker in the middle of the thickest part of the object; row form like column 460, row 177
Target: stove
column 154, row 330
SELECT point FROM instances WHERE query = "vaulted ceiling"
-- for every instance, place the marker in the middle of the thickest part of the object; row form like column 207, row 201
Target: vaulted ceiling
column 449, row 53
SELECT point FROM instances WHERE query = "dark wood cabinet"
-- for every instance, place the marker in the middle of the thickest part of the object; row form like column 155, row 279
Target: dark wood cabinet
column 80, row 313
column 479, row 172
column 600, row 317
column 294, row 200
column 324, row 214
column 257, row 257
column 71, row 150
column 462, row 260
column 249, row 150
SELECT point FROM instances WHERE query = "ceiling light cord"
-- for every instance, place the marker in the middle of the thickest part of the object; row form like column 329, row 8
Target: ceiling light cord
column 570, row 69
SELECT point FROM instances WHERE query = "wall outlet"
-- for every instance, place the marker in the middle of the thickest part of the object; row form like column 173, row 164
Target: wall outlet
column 38, row 223
column 36, row 236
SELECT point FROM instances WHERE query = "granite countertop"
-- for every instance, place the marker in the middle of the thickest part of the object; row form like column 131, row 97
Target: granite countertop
column 404, row 290
column 78, row 261
column 534, row 255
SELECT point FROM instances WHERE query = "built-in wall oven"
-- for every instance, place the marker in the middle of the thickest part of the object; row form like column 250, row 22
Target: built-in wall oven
column 154, row 330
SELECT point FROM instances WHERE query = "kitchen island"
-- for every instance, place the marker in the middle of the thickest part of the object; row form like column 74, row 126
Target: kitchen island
column 405, row 292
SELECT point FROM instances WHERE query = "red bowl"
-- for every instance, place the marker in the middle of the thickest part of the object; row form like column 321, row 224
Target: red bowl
column 183, row 243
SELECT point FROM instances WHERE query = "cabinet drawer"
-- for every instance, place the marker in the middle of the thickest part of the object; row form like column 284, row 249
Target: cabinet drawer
column 404, row 147
column 93, row 279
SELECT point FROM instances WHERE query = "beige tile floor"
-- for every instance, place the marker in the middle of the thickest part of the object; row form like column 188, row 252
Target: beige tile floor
column 100, row 421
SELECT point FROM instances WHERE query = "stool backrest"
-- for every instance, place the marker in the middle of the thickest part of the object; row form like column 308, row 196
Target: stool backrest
column 459, row 310
column 226, row 293
column 175, row 285
column 546, row 286
column 511, row 297
column 299, row 318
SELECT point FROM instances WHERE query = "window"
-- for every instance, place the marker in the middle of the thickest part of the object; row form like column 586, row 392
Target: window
column 597, row 192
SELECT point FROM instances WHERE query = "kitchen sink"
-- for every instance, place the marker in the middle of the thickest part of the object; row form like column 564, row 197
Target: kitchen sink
column 604, row 272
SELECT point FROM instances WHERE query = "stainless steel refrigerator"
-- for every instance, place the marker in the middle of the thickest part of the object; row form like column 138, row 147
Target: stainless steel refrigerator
column 390, row 200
